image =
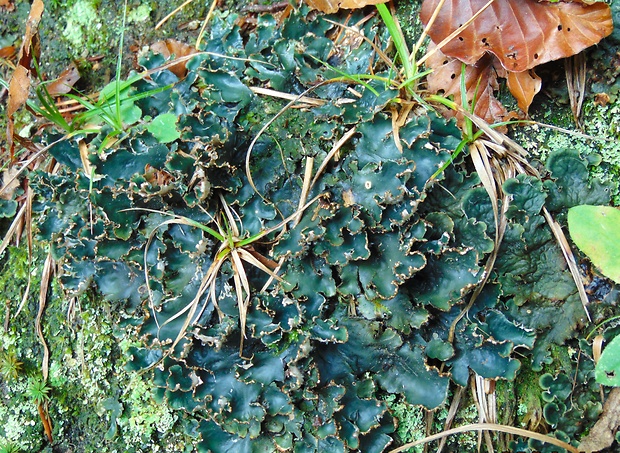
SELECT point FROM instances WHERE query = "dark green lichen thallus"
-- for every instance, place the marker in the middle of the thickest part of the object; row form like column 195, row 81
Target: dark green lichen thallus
column 375, row 273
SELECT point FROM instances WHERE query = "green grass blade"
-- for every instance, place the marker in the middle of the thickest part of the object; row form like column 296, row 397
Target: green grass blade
column 349, row 77
column 399, row 40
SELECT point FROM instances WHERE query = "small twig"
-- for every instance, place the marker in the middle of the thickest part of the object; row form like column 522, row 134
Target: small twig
column 176, row 10
column 45, row 419
column 489, row 427
column 288, row 97
column 45, row 281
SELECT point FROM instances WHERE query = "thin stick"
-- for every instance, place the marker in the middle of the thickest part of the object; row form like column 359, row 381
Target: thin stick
column 165, row 19
column 490, row 427
column 287, row 96
column 204, row 24
column 45, row 281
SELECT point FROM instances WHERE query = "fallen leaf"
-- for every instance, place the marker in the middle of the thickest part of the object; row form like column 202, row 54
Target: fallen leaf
column 520, row 33
column 171, row 47
column 19, row 86
column 7, row 52
column 7, row 5
column 30, row 45
column 480, row 84
column 332, row 6
column 523, row 86
column 64, row 83
column 10, row 183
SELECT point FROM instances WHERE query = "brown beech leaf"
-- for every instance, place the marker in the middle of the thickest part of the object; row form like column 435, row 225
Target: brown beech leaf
column 523, row 86
column 480, row 82
column 64, row 83
column 179, row 49
column 520, row 33
column 331, row 6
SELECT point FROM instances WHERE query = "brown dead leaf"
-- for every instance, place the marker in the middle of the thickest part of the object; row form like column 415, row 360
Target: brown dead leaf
column 7, row 5
column 480, row 83
column 523, row 86
column 179, row 49
column 332, row 6
column 64, row 83
column 7, row 52
column 19, row 86
column 30, row 44
column 520, row 33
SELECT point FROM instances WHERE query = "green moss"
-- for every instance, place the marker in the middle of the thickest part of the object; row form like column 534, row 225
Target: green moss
column 529, row 405
column 86, row 368
column 411, row 422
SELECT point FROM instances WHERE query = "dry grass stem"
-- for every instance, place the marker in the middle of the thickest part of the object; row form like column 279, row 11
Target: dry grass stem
column 176, row 10
column 335, row 149
column 513, row 162
column 575, row 68
column 46, row 275
column 452, row 411
column 204, row 23
column 289, row 97
column 489, row 427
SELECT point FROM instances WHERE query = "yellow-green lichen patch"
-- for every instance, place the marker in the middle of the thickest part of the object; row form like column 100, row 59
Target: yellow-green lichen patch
column 139, row 14
column 85, row 31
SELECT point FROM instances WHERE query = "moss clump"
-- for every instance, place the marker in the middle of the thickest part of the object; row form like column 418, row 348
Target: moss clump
column 86, row 369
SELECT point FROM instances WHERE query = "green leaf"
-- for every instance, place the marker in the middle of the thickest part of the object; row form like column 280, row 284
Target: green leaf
column 596, row 231
column 607, row 371
column 163, row 127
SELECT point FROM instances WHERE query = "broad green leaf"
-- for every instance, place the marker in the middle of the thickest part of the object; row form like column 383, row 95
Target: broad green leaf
column 163, row 127
column 596, row 231
column 607, row 371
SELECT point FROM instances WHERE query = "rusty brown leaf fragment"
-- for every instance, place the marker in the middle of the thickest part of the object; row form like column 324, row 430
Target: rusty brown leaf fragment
column 331, row 6
column 19, row 86
column 65, row 81
column 523, row 86
column 171, row 47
